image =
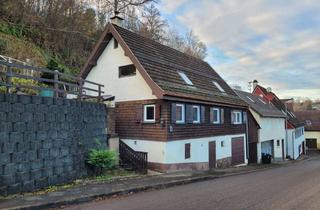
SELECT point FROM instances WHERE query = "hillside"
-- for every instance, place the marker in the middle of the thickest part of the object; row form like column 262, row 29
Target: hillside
column 13, row 43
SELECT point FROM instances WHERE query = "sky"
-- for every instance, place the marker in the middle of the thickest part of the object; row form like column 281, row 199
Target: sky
column 276, row 42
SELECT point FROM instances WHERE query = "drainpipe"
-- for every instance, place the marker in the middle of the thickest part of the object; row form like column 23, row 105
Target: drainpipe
column 293, row 144
column 247, row 137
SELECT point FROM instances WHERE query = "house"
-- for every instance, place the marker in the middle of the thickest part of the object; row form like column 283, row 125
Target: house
column 295, row 143
column 312, row 127
column 271, row 133
column 169, row 104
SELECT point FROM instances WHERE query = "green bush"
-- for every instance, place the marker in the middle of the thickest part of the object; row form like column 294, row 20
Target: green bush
column 102, row 159
column 3, row 46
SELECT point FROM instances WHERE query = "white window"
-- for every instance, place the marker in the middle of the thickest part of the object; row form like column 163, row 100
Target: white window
column 216, row 115
column 149, row 113
column 218, row 86
column 185, row 78
column 236, row 117
column 180, row 113
column 196, row 114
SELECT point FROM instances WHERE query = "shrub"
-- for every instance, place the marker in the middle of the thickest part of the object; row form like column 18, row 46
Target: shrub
column 102, row 159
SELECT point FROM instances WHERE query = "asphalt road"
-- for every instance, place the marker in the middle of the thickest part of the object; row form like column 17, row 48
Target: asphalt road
column 292, row 187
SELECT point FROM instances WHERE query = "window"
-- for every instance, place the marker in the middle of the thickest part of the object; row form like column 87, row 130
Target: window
column 187, row 151
column 278, row 143
column 218, row 86
column 115, row 44
column 149, row 113
column 185, row 78
column 250, row 99
column 236, row 117
column 222, row 143
column 196, row 114
column 216, row 115
column 128, row 70
column 180, row 113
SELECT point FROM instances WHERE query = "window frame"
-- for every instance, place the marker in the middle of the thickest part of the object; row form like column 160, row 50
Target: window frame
column 198, row 114
column 219, row 115
column 131, row 75
column 145, row 120
column 218, row 86
column 185, row 78
column 183, row 114
column 237, row 113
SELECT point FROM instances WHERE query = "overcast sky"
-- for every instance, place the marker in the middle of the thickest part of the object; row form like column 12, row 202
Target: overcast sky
column 276, row 42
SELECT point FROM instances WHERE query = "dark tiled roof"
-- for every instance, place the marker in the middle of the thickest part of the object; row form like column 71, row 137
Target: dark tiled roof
column 162, row 64
column 260, row 105
column 310, row 116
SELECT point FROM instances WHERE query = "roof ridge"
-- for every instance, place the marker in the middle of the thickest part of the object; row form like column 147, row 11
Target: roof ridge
column 185, row 54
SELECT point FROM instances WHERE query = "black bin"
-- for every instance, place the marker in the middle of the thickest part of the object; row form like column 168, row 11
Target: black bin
column 266, row 158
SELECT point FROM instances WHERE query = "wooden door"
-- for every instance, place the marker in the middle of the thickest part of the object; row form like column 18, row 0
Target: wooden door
column 253, row 152
column 282, row 143
column 212, row 154
column 237, row 151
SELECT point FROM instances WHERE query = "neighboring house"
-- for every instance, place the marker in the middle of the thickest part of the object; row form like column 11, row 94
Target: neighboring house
column 295, row 143
column 271, row 132
column 312, row 127
column 169, row 104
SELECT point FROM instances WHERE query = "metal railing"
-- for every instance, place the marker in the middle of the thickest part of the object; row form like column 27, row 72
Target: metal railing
column 62, row 85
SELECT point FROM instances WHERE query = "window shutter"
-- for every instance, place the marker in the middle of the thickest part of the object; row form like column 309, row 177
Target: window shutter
column 232, row 117
column 187, row 152
column 211, row 115
column 203, row 114
column 222, row 116
column 139, row 113
column 189, row 114
column 173, row 113
column 158, row 112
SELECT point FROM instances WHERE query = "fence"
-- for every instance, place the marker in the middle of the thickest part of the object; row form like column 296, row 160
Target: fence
column 62, row 85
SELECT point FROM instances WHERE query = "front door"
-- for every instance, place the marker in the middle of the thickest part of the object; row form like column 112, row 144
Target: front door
column 253, row 152
column 212, row 154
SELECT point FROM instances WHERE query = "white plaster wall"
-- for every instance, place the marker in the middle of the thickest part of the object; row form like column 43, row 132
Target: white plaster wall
column 271, row 129
column 106, row 72
column 173, row 151
column 155, row 149
column 294, row 143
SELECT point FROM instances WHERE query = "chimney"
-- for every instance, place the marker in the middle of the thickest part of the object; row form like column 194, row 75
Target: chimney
column 254, row 84
column 116, row 19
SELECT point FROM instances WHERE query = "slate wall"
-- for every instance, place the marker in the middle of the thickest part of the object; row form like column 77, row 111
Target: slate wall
column 43, row 141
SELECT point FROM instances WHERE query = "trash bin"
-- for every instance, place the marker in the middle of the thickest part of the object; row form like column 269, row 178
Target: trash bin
column 266, row 158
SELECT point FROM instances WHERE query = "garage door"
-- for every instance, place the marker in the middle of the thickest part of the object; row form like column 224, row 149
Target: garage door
column 267, row 147
column 237, row 151
column 311, row 143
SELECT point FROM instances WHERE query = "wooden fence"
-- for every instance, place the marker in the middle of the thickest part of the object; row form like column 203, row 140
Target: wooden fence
column 62, row 85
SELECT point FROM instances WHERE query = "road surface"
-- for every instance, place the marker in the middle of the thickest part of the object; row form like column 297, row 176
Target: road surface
column 296, row 186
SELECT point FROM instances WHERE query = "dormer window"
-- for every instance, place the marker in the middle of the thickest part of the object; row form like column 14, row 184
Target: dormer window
column 218, row 86
column 185, row 78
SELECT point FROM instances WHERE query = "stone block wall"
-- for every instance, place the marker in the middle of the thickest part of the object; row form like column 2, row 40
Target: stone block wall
column 44, row 141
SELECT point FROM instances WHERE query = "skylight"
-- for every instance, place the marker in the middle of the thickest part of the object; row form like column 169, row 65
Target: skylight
column 185, row 78
column 262, row 101
column 218, row 86
column 250, row 99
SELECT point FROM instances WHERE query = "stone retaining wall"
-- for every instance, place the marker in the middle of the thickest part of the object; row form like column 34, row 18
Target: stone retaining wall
column 43, row 141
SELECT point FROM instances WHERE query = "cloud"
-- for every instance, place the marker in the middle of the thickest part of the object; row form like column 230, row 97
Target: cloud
column 275, row 42
column 169, row 6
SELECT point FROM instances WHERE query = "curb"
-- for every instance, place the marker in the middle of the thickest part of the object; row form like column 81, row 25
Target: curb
column 185, row 181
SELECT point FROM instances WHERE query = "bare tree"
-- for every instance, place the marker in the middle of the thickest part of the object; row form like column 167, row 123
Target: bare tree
column 194, row 47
